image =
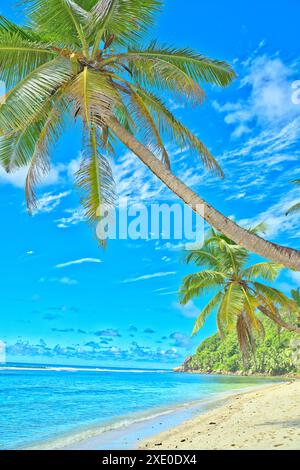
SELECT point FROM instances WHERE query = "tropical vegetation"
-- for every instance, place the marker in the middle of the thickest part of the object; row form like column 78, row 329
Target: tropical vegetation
column 277, row 353
column 237, row 291
column 81, row 60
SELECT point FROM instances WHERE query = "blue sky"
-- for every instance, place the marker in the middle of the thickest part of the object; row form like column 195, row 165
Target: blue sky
column 119, row 306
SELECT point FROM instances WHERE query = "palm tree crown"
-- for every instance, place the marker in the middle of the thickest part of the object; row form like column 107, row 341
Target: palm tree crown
column 73, row 59
column 238, row 293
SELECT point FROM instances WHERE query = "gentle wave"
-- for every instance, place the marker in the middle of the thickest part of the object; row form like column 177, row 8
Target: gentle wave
column 73, row 438
column 78, row 369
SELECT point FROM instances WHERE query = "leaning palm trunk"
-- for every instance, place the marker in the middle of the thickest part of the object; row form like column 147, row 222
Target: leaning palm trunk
column 280, row 254
column 277, row 319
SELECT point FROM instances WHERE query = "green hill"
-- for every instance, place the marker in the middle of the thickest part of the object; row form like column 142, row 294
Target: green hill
column 277, row 354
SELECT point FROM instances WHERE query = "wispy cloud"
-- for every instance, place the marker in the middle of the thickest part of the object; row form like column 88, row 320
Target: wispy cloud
column 62, row 280
column 78, row 261
column 49, row 201
column 269, row 101
column 76, row 217
column 149, row 276
column 275, row 217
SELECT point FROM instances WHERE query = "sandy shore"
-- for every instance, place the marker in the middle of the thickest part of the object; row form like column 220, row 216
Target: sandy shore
column 265, row 419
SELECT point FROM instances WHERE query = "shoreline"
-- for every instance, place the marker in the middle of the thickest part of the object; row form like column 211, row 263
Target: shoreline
column 264, row 419
column 121, row 435
column 258, row 375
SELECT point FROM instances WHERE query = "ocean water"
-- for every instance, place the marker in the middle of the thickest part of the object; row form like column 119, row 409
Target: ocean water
column 46, row 403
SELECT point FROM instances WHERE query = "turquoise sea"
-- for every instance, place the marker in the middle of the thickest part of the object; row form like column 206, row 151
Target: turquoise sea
column 42, row 403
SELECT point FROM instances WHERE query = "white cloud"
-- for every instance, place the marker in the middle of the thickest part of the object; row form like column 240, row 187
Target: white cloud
column 49, row 201
column 162, row 294
column 269, row 81
column 149, row 276
column 263, row 158
column 18, row 178
column 76, row 217
column 189, row 310
column 78, row 261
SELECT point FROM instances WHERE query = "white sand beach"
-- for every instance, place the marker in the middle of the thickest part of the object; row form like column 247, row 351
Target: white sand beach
column 265, row 419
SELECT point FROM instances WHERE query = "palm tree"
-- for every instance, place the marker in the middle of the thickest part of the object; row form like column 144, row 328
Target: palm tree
column 296, row 207
column 82, row 59
column 237, row 292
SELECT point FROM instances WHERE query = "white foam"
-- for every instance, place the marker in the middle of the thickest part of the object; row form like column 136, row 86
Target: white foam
column 82, row 369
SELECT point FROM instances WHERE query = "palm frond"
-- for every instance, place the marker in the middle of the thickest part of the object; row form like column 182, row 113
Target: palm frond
column 7, row 26
column 294, row 209
column 233, row 256
column 146, row 63
column 259, row 229
column 295, row 293
column 251, row 303
column 94, row 96
column 16, row 149
column 230, row 309
column 126, row 20
column 20, row 56
column 178, row 132
column 208, row 309
column 246, row 337
column 95, row 179
column 265, row 270
column 205, row 257
column 165, row 76
column 151, row 133
column 63, row 18
column 28, row 97
column 39, row 164
column 195, row 284
column 274, row 295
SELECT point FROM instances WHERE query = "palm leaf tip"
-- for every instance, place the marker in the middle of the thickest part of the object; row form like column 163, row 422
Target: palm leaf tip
column 293, row 210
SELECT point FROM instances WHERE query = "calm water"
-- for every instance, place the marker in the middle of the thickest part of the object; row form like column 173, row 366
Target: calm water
column 38, row 405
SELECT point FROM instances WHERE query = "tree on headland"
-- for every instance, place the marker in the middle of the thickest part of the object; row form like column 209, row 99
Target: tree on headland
column 238, row 292
column 82, row 59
